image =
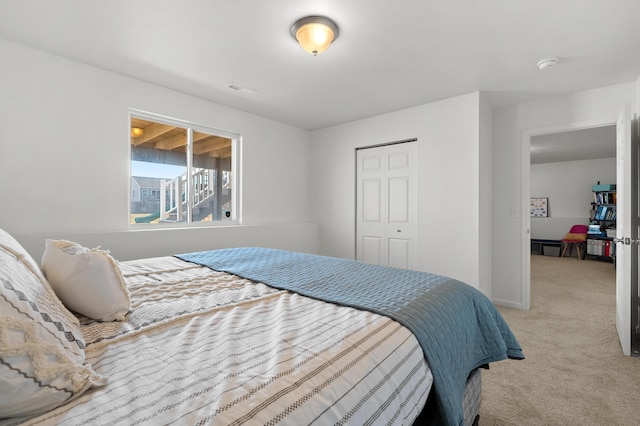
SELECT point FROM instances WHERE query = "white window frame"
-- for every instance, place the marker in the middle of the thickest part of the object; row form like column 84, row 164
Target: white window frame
column 236, row 144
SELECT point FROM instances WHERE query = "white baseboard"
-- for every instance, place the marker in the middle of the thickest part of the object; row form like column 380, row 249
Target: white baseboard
column 507, row 304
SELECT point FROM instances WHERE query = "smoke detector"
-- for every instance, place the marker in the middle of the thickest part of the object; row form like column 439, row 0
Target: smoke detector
column 547, row 63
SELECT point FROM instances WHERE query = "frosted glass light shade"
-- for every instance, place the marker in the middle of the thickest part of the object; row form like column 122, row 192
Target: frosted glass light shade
column 314, row 33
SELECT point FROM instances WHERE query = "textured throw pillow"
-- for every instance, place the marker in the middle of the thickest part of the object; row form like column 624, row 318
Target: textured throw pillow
column 10, row 244
column 42, row 358
column 88, row 281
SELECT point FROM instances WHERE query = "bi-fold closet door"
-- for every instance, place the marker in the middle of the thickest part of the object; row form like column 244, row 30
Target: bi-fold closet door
column 386, row 207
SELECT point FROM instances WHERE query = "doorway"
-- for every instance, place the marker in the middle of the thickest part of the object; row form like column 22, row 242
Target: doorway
column 628, row 223
column 560, row 225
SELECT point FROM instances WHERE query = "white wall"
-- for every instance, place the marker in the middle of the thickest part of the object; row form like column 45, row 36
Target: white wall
column 599, row 106
column 567, row 184
column 637, row 105
column 448, row 182
column 486, row 196
column 64, row 169
column 64, row 160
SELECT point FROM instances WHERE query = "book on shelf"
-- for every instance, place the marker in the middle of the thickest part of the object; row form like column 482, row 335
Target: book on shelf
column 596, row 215
column 602, row 212
column 605, row 248
column 604, row 197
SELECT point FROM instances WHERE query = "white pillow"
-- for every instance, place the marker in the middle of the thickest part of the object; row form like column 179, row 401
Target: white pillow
column 88, row 281
column 42, row 357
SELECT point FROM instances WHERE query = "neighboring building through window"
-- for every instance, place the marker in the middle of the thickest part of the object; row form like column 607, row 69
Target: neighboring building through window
column 180, row 173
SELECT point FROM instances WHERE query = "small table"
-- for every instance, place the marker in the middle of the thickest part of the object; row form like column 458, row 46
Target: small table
column 541, row 243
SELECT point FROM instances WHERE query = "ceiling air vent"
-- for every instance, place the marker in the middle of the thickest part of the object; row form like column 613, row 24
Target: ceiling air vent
column 239, row 88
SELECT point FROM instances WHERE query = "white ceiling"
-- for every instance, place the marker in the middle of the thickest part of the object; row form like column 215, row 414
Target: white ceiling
column 574, row 145
column 390, row 55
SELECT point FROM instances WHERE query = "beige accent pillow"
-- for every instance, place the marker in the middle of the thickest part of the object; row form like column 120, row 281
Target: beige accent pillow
column 42, row 357
column 88, row 281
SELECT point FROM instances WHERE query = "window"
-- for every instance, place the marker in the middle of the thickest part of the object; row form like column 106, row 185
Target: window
column 184, row 172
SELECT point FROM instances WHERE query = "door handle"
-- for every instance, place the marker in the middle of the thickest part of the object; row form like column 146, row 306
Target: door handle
column 626, row 241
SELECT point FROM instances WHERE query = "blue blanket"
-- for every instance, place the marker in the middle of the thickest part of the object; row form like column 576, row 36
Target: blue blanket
column 458, row 328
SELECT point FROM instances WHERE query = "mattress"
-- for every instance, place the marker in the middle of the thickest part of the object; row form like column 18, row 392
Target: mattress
column 206, row 347
column 472, row 398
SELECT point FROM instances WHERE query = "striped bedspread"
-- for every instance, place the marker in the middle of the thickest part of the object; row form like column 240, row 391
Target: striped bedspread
column 206, row 347
column 458, row 327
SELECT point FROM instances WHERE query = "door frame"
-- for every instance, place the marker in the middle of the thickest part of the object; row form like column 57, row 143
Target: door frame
column 355, row 182
column 525, row 148
column 635, row 227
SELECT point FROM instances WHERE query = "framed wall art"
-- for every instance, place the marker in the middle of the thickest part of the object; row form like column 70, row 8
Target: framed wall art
column 539, row 207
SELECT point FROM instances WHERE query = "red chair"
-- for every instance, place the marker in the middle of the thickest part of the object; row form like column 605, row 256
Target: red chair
column 577, row 236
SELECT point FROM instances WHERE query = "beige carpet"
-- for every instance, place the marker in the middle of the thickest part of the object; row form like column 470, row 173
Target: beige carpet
column 575, row 373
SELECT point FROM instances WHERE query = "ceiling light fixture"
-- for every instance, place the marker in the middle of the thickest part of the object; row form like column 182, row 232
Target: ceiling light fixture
column 315, row 33
column 136, row 132
column 547, row 63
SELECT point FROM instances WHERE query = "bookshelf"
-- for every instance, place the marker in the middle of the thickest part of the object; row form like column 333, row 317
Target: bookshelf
column 602, row 222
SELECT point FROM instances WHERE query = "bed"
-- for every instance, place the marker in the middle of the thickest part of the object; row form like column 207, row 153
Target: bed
column 237, row 336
